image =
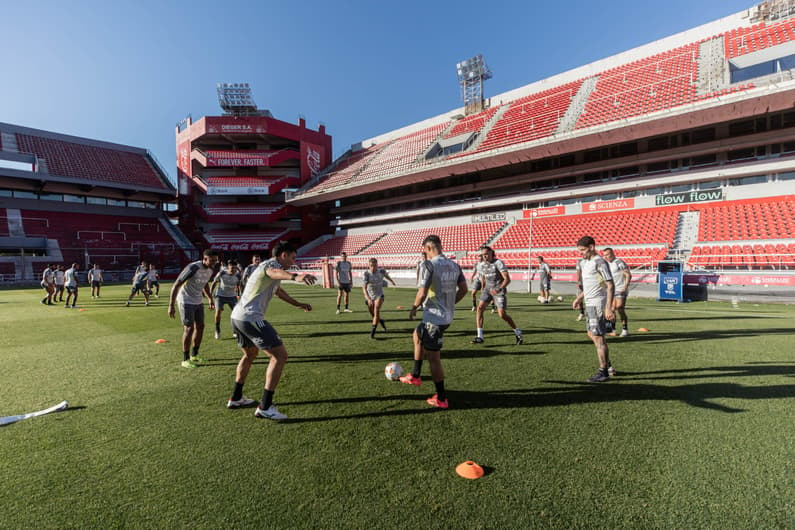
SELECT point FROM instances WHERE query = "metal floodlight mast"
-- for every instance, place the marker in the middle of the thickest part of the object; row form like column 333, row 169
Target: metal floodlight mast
column 471, row 75
column 235, row 99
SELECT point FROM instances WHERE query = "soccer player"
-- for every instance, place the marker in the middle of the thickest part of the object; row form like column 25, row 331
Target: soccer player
column 374, row 280
column 256, row 259
column 254, row 333
column 154, row 280
column 344, row 281
column 187, row 291
column 95, row 280
column 228, row 283
column 70, row 282
column 443, row 285
column 60, row 274
column 597, row 296
column 140, row 283
column 476, row 286
column 495, row 279
column 48, row 283
column 545, row 278
column 621, row 278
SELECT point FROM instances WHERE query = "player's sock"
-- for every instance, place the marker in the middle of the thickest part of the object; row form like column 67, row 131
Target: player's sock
column 267, row 399
column 237, row 394
column 440, row 394
column 372, row 331
column 480, row 333
column 218, row 327
column 346, row 306
column 186, row 355
column 338, row 307
column 417, row 370
column 195, row 352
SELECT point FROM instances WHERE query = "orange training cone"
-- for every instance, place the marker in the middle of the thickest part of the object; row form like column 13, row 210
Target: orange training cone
column 643, row 330
column 160, row 341
column 469, row 470
column 399, row 307
column 81, row 309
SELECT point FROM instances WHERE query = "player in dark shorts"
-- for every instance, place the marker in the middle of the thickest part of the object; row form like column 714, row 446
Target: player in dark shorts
column 154, row 281
column 597, row 297
column 344, row 274
column 227, row 282
column 140, row 283
column 255, row 334
column 70, row 283
column 442, row 286
column 495, row 279
column 188, row 291
column 256, row 259
column 95, row 280
column 60, row 274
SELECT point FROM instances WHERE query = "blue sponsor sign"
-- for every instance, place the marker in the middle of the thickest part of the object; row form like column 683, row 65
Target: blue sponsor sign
column 670, row 280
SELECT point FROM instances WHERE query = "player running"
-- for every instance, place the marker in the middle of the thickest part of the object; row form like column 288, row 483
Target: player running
column 621, row 278
column 343, row 272
column 70, row 283
column 374, row 280
column 187, row 292
column 140, row 283
column 256, row 259
column 228, row 283
column 495, row 279
column 475, row 277
column 154, row 280
column 597, row 296
column 60, row 275
column 48, row 283
column 442, row 286
column 95, row 280
column 254, row 333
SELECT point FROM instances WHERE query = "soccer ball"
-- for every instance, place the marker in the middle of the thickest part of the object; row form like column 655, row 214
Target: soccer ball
column 393, row 371
column 560, row 298
column 540, row 299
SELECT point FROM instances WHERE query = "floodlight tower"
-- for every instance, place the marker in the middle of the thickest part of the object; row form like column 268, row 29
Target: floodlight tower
column 235, row 99
column 471, row 75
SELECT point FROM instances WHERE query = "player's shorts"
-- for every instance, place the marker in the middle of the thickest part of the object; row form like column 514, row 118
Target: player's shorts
column 373, row 298
column 191, row 314
column 431, row 335
column 500, row 299
column 221, row 301
column 546, row 285
column 260, row 334
column 59, row 288
column 596, row 323
column 71, row 289
column 477, row 286
column 621, row 295
column 46, row 286
column 139, row 287
column 96, row 283
column 156, row 282
column 345, row 287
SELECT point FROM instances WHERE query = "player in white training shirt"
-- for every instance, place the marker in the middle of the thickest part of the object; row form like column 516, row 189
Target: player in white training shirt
column 621, row 278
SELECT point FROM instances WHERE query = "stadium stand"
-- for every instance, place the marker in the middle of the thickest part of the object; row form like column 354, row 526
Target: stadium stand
column 455, row 238
column 472, row 123
column 742, row 41
column 71, row 159
column 748, row 220
column 350, row 244
column 400, row 154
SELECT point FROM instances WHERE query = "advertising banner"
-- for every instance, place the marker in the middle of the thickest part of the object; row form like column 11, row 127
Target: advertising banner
column 311, row 160
column 688, row 196
column 606, row 206
column 544, row 212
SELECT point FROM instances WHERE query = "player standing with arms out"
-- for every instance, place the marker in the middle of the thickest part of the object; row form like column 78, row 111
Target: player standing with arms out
column 374, row 280
column 187, row 292
column 48, row 284
column 228, row 284
column 256, row 259
column 442, row 286
column 344, row 275
column 60, row 274
column 140, row 283
column 597, row 296
column 254, row 333
column 70, row 282
column 154, row 280
column 621, row 279
column 95, row 280
column 545, row 279
column 495, row 279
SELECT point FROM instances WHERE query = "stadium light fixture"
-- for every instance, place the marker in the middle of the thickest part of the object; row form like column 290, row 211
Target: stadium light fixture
column 471, row 75
column 235, row 99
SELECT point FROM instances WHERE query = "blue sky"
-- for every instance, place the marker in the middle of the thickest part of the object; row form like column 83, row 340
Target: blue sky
column 126, row 72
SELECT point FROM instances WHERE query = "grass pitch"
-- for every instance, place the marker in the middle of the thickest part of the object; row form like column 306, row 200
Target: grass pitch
column 696, row 431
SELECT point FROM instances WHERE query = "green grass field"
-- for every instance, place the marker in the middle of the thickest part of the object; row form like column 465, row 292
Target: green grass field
column 696, row 431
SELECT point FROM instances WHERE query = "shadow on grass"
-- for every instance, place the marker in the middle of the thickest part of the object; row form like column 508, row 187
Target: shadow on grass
column 686, row 336
column 749, row 369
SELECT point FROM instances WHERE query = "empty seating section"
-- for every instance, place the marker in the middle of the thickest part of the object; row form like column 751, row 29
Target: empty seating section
column 640, row 227
column 758, row 37
column 531, row 117
column 454, row 238
column 342, row 173
column 237, row 236
column 86, row 230
column 69, row 159
column 744, row 256
column 400, row 154
column 472, row 123
column 658, row 82
column 350, row 244
column 755, row 219
column 567, row 258
column 243, row 209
